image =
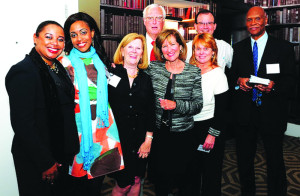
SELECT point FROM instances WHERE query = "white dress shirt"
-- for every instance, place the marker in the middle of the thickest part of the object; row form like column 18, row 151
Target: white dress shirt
column 261, row 44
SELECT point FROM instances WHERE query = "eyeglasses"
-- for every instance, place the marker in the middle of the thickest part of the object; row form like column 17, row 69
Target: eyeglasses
column 157, row 18
column 258, row 99
column 205, row 23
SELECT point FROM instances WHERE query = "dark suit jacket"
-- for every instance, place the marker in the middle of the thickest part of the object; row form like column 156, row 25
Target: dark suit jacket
column 274, row 108
column 30, row 120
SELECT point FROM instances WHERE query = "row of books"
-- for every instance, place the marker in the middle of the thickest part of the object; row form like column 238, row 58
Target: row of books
column 136, row 4
column 271, row 3
column 110, row 48
column 184, row 13
column 284, row 16
column 121, row 24
column 289, row 34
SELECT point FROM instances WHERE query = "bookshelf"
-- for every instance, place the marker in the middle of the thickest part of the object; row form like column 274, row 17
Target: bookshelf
column 284, row 23
column 118, row 18
column 184, row 12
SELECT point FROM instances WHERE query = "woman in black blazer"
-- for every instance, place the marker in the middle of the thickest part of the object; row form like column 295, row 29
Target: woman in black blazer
column 132, row 101
column 41, row 98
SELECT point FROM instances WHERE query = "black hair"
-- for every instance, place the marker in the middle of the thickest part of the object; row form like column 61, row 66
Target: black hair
column 203, row 11
column 45, row 23
column 81, row 16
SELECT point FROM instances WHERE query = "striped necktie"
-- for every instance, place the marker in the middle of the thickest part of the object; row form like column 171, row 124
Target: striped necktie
column 255, row 60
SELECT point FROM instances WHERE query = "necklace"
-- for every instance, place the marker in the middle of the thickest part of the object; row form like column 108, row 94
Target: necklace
column 54, row 68
column 135, row 75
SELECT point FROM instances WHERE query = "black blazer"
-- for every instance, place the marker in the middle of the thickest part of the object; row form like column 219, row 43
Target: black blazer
column 274, row 108
column 133, row 108
column 30, row 120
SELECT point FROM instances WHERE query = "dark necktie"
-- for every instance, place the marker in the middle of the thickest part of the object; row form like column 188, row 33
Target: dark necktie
column 255, row 59
column 152, row 56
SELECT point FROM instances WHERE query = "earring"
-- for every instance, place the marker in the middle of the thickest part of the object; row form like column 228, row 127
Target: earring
column 93, row 42
column 162, row 56
column 181, row 51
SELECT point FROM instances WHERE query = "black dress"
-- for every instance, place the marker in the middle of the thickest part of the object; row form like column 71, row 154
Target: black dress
column 134, row 113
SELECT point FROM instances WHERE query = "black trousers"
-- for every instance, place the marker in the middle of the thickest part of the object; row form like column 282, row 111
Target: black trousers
column 207, row 167
column 172, row 153
column 246, row 142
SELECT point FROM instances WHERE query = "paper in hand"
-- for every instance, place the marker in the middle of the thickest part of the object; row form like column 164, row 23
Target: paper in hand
column 258, row 80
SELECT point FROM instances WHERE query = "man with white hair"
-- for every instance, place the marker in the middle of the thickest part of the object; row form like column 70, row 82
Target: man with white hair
column 154, row 19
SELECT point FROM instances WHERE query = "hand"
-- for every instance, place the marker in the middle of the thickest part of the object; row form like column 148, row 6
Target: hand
column 50, row 174
column 209, row 142
column 265, row 88
column 242, row 82
column 145, row 148
column 167, row 104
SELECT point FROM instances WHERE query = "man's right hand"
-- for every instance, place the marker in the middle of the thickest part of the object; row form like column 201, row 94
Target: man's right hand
column 242, row 82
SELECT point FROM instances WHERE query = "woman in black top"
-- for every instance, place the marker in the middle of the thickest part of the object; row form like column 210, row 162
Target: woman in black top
column 41, row 99
column 132, row 101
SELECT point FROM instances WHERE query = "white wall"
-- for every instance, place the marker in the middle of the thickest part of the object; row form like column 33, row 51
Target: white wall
column 19, row 19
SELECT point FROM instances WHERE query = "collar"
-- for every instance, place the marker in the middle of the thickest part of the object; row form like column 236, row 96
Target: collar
column 262, row 41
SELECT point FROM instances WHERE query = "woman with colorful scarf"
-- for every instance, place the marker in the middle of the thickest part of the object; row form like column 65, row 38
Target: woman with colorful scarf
column 86, row 63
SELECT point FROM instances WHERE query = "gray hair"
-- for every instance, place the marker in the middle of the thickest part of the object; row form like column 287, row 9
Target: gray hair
column 153, row 6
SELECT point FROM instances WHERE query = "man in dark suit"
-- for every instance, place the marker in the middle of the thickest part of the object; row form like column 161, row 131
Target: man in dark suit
column 261, row 110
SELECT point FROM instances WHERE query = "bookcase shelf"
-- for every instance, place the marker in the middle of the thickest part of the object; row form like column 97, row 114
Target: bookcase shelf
column 277, row 26
column 280, row 7
column 117, row 19
column 115, row 8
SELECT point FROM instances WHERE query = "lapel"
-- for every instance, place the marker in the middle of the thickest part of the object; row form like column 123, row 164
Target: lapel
column 249, row 68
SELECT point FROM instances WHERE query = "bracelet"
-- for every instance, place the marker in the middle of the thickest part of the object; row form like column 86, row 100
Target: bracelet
column 149, row 136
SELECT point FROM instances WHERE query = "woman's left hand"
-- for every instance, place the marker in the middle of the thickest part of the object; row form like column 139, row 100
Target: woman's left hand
column 167, row 104
column 144, row 149
column 209, row 142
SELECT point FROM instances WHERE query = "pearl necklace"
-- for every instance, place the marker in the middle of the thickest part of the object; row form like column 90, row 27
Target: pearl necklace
column 135, row 75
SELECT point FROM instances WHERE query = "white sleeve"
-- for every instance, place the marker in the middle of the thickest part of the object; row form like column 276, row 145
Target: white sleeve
column 221, row 84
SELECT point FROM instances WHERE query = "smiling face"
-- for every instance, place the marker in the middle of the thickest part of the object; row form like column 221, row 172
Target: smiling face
column 154, row 22
column 50, row 42
column 132, row 52
column 256, row 20
column 81, row 36
column 205, row 23
column 203, row 54
column 171, row 48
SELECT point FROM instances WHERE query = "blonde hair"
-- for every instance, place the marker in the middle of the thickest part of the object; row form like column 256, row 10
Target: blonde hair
column 166, row 34
column 208, row 41
column 118, row 58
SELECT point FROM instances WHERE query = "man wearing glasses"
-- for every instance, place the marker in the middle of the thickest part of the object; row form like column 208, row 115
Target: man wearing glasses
column 261, row 110
column 154, row 19
column 205, row 23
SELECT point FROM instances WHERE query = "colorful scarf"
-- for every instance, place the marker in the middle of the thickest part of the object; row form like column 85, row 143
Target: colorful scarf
column 84, row 100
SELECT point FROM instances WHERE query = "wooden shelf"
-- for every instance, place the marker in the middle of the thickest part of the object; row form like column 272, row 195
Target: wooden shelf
column 281, row 7
column 173, row 18
column 112, row 37
column 119, row 9
column 289, row 25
